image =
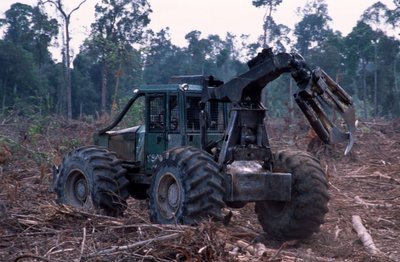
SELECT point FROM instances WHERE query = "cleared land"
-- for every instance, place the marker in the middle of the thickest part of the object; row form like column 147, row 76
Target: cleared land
column 34, row 228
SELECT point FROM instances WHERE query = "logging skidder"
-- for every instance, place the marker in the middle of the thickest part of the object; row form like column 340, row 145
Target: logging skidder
column 203, row 145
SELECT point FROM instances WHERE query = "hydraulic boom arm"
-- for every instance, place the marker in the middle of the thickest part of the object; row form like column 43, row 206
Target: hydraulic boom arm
column 316, row 89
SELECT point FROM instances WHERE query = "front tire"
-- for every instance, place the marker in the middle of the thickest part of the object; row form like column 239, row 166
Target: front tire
column 186, row 188
column 303, row 215
column 92, row 177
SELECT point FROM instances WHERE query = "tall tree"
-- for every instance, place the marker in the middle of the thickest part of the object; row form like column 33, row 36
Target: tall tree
column 393, row 15
column 30, row 28
column 198, row 49
column 66, row 17
column 84, row 78
column 376, row 16
column 279, row 37
column 19, row 80
column 268, row 23
column 358, row 54
column 162, row 58
column 313, row 28
column 18, row 21
column 43, row 31
column 31, row 31
column 118, row 24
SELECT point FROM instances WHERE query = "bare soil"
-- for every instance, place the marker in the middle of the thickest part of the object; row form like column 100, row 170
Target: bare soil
column 34, row 228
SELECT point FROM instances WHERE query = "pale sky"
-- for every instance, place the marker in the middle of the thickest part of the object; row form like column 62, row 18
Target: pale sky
column 214, row 16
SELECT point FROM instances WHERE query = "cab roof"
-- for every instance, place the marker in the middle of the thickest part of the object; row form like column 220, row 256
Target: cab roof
column 170, row 88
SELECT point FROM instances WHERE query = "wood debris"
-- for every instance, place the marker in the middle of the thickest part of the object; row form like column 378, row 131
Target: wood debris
column 34, row 228
column 364, row 236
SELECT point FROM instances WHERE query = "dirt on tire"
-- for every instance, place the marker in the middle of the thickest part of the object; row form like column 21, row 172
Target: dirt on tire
column 102, row 180
column 198, row 183
column 303, row 215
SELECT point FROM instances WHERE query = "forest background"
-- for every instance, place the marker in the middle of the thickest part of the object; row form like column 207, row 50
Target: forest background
column 121, row 52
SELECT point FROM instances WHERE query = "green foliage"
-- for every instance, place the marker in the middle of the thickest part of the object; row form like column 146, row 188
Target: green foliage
column 67, row 145
column 203, row 56
column 162, row 58
column 135, row 116
column 119, row 24
column 393, row 15
column 275, row 35
column 313, row 28
column 19, row 79
column 24, row 59
column 260, row 3
column 278, row 97
column 43, row 31
column 18, row 20
column 85, row 85
column 30, row 28
column 120, row 54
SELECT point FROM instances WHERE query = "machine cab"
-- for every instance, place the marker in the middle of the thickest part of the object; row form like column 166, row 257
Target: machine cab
column 171, row 116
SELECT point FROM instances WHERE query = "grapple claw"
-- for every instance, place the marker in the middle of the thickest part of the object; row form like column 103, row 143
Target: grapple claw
column 323, row 91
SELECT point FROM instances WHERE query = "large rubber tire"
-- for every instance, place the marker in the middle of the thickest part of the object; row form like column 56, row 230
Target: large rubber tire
column 303, row 215
column 186, row 188
column 92, row 177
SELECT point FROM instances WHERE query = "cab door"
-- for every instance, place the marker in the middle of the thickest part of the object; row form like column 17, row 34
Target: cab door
column 175, row 124
column 156, row 142
column 192, row 119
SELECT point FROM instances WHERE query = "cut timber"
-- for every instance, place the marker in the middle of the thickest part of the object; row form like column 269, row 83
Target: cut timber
column 365, row 237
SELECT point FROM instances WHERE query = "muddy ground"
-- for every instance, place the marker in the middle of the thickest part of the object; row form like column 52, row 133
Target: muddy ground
column 34, row 228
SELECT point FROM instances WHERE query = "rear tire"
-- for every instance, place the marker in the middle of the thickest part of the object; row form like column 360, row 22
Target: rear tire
column 303, row 215
column 92, row 177
column 186, row 188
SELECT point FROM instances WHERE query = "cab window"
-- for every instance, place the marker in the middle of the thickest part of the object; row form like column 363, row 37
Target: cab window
column 216, row 116
column 174, row 114
column 193, row 114
column 156, row 105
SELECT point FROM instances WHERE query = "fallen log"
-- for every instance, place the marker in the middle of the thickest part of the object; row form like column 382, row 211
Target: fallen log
column 364, row 236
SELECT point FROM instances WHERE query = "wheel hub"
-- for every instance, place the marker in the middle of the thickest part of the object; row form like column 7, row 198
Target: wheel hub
column 168, row 195
column 81, row 189
column 76, row 188
column 173, row 195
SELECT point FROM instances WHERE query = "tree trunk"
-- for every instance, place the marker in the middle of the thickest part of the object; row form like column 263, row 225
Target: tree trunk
column 364, row 90
column 67, row 19
column 104, row 72
column 266, row 25
column 68, row 71
column 3, row 105
column 396, row 87
column 291, row 99
column 115, row 96
column 376, row 82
